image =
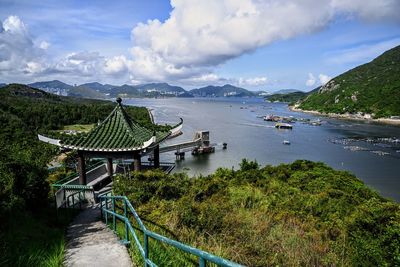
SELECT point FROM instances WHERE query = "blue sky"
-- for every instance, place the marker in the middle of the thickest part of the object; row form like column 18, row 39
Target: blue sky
column 267, row 45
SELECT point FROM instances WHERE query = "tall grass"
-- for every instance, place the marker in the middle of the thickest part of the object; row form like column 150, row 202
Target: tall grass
column 299, row 214
column 160, row 253
column 35, row 240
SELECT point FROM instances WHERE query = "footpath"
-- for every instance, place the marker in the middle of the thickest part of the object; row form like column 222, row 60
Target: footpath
column 91, row 243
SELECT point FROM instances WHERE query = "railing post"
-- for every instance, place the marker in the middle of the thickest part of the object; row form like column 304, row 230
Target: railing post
column 126, row 225
column 106, row 209
column 202, row 262
column 65, row 197
column 114, row 222
column 80, row 200
column 101, row 208
column 146, row 248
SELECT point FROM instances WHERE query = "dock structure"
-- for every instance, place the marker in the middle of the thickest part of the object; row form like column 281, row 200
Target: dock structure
column 199, row 145
column 201, row 138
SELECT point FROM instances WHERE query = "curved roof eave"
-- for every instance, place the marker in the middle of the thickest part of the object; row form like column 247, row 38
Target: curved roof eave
column 57, row 142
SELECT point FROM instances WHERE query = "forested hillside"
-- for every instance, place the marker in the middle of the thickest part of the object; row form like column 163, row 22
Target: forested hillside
column 24, row 189
column 372, row 88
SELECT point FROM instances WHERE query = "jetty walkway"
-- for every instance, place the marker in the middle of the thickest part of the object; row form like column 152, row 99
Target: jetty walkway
column 91, row 243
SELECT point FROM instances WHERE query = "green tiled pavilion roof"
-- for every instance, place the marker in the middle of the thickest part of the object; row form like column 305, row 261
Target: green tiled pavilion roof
column 118, row 132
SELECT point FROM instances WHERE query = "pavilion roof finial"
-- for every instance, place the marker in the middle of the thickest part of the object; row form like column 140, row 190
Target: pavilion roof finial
column 119, row 100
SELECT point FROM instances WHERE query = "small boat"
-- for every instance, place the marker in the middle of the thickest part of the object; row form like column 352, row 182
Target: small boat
column 272, row 118
column 286, row 142
column 283, row 126
column 315, row 123
column 288, row 119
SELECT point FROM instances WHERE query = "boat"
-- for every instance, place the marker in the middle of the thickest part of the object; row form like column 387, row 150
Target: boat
column 315, row 123
column 272, row 118
column 281, row 125
column 286, row 142
column 290, row 119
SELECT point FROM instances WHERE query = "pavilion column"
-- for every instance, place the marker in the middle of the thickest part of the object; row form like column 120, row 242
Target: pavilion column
column 110, row 167
column 156, row 152
column 81, row 168
column 137, row 161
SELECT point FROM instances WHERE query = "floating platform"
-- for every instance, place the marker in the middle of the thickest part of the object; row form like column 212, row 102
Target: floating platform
column 203, row 150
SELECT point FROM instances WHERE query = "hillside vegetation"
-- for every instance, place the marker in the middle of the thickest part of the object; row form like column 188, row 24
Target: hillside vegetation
column 372, row 88
column 288, row 98
column 31, row 234
column 299, row 214
column 226, row 90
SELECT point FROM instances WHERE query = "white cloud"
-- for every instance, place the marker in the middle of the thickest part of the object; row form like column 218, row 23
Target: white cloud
column 311, row 80
column 370, row 10
column 14, row 25
column 362, row 53
column 197, row 36
column 115, row 65
column 44, row 45
column 204, row 33
column 17, row 49
column 256, row 81
column 209, row 77
column 323, row 78
column 34, row 67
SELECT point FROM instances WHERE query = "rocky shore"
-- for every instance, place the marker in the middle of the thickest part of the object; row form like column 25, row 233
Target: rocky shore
column 348, row 116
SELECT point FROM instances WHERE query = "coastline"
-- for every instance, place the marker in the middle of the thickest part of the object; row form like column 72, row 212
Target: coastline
column 354, row 117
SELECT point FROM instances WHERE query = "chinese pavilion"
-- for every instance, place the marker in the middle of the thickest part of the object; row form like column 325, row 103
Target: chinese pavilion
column 118, row 137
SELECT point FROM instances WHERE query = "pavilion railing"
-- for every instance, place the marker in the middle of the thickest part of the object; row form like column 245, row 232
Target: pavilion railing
column 108, row 207
column 71, row 176
column 69, row 196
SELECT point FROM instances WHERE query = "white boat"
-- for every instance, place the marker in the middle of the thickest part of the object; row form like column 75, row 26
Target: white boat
column 283, row 126
column 286, row 142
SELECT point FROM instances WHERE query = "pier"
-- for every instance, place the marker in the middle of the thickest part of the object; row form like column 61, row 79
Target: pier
column 199, row 145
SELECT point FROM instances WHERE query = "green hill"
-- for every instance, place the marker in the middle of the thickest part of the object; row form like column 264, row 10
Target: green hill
column 226, row 90
column 299, row 214
column 289, row 97
column 85, row 92
column 31, row 234
column 372, row 88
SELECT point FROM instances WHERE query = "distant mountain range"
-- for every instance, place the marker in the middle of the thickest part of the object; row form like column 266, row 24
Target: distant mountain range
column 372, row 88
column 99, row 91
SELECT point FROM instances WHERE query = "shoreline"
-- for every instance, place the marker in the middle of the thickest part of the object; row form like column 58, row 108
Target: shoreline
column 386, row 121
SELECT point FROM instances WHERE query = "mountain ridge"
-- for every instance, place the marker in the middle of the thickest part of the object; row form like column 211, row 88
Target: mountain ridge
column 99, row 90
column 219, row 91
column 372, row 89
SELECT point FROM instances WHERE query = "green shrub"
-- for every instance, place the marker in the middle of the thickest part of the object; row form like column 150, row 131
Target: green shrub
column 303, row 213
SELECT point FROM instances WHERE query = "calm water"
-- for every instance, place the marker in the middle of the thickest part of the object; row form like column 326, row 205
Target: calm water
column 235, row 121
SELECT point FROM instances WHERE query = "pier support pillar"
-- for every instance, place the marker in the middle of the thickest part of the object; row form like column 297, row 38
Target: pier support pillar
column 110, row 167
column 157, row 157
column 137, row 161
column 81, row 168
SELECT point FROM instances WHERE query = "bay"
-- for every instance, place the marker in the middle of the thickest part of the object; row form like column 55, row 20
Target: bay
column 369, row 151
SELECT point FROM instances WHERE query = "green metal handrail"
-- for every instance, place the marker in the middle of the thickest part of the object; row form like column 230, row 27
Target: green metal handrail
column 203, row 256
